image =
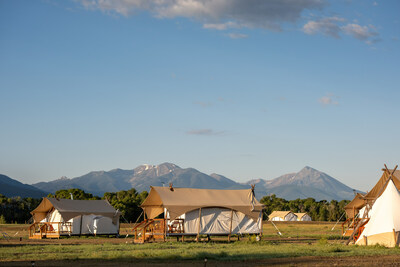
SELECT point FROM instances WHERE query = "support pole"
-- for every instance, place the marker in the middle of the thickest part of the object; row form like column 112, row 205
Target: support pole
column 80, row 230
column 230, row 227
column 198, row 228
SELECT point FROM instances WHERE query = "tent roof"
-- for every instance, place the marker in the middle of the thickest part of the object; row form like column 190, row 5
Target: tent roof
column 357, row 203
column 181, row 200
column 280, row 214
column 380, row 186
column 69, row 208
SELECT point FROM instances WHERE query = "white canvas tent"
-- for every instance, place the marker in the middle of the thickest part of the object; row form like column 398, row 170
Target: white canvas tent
column 206, row 211
column 282, row 216
column 77, row 217
column 303, row 217
column 384, row 223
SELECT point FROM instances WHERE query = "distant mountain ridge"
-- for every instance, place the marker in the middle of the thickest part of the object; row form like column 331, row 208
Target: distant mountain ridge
column 308, row 182
column 13, row 188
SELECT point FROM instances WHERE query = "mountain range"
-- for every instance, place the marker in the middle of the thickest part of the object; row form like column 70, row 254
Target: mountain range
column 308, row 182
column 12, row 188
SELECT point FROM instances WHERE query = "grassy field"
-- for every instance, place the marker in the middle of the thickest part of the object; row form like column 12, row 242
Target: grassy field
column 301, row 243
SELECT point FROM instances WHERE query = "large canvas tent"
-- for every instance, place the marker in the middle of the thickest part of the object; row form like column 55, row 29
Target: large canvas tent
column 206, row 211
column 383, row 226
column 77, row 217
column 282, row 216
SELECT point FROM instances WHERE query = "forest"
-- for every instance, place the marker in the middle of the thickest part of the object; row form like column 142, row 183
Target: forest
column 17, row 210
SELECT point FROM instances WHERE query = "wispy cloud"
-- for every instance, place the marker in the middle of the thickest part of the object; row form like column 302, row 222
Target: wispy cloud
column 327, row 26
column 204, row 104
column 205, row 132
column 237, row 35
column 328, row 99
column 237, row 14
column 215, row 14
column 334, row 26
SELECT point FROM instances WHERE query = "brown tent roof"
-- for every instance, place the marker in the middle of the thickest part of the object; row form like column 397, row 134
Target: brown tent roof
column 360, row 200
column 357, row 203
column 380, row 186
column 181, row 200
column 69, row 208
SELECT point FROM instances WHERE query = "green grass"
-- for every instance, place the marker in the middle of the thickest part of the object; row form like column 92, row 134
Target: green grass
column 177, row 251
column 321, row 242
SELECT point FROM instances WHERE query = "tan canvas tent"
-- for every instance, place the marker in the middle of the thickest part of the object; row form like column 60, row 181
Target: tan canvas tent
column 383, row 226
column 303, row 217
column 206, row 211
column 76, row 217
column 282, row 216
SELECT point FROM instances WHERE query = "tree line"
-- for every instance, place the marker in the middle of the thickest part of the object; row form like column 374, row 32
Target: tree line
column 17, row 210
column 318, row 210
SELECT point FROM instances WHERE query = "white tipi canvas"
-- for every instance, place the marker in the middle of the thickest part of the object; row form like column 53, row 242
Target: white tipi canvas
column 384, row 218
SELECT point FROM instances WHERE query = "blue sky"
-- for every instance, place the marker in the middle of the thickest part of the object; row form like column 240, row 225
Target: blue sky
column 246, row 89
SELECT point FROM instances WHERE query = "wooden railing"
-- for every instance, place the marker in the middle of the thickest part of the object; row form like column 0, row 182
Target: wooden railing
column 150, row 229
column 176, row 226
column 39, row 230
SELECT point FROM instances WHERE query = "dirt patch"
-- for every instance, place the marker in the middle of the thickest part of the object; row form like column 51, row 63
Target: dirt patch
column 390, row 260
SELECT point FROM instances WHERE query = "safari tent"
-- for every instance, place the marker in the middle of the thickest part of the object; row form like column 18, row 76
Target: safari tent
column 56, row 217
column 383, row 226
column 189, row 211
column 282, row 216
column 303, row 217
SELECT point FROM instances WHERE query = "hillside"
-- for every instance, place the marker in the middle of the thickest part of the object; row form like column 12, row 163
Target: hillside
column 308, row 182
column 13, row 188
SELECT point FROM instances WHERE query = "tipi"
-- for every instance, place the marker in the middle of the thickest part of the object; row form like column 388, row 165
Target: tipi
column 384, row 224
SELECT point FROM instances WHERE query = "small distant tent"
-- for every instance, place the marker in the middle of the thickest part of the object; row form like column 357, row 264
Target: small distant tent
column 282, row 216
column 383, row 226
column 205, row 211
column 303, row 217
column 77, row 217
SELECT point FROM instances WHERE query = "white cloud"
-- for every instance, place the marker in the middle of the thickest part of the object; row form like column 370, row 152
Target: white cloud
column 334, row 26
column 363, row 33
column 237, row 35
column 215, row 13
column 221, row 26
column 204, row 104
column 327, row 26
column 327, row 100
column 208, row 132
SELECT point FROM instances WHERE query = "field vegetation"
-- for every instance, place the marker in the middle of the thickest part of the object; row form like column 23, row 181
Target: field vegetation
column 299, row 241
